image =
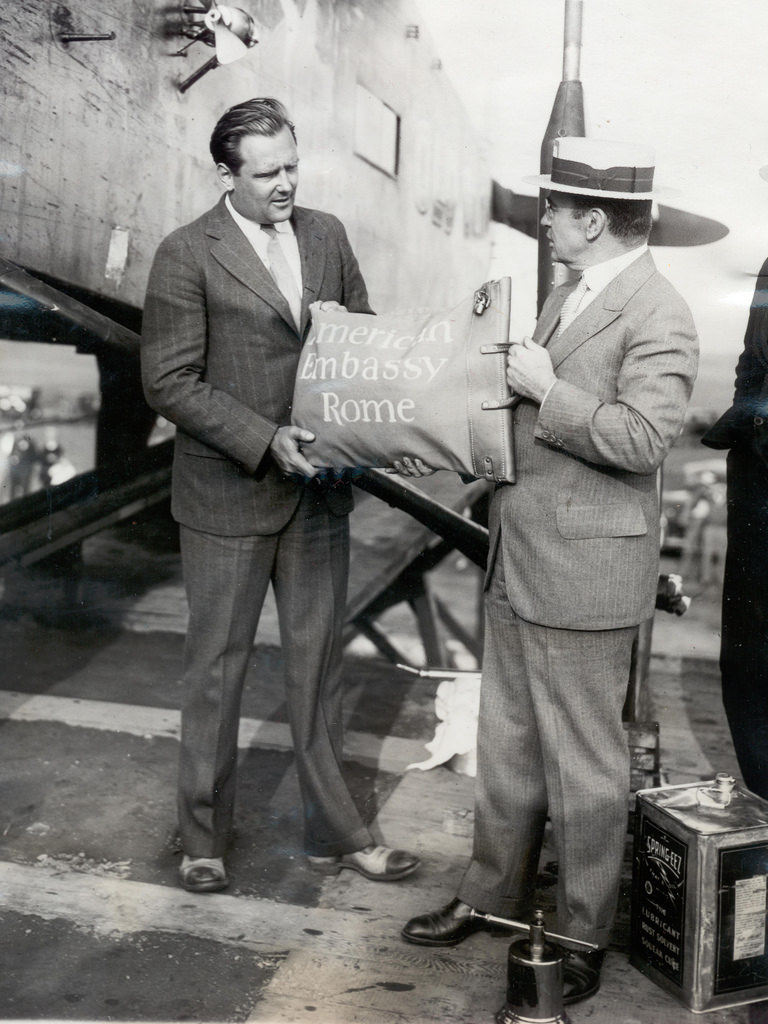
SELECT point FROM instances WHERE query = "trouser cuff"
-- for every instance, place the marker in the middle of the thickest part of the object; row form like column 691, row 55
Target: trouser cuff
column 333, row 848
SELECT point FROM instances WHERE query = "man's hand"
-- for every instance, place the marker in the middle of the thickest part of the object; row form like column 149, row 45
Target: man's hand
column 286, row 449
column 409, row 466
column 330, row 306
column 529, row 370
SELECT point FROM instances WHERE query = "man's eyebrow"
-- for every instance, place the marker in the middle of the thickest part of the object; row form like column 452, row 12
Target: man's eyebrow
column 274, row 170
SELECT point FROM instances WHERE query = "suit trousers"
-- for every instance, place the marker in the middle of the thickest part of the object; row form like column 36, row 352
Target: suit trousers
column 550, row 741
column 226, row 580
column 744, row 643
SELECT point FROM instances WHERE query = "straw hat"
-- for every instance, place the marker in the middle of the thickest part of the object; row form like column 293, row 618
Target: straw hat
column 600, row 167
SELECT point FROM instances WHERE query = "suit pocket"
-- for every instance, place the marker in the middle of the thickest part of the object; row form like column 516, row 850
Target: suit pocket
column 582, row 522
column 189, row 446
column 195, row 457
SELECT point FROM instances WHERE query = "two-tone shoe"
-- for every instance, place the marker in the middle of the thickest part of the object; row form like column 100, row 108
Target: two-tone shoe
column 203, row 874
column 376, row 863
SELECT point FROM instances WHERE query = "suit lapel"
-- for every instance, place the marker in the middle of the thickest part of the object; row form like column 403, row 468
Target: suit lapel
column 589, row 323
column 312, row 249
column 550, row 316
column 232, row 250
column 600, row 313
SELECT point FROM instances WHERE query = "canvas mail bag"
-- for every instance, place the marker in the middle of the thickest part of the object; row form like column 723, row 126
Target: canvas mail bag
column 423, row 383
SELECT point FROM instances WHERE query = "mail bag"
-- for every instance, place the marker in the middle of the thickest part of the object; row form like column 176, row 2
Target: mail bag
column 423, row 383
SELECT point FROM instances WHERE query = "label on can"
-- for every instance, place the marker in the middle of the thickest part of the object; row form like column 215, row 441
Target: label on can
column 658, row 914
column 749, row 918
column 742, row 961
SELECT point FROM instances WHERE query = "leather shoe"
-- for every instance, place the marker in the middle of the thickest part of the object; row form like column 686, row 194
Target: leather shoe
column 203, row 874
column 377, row 863
column 445, row 927
column 581, row 975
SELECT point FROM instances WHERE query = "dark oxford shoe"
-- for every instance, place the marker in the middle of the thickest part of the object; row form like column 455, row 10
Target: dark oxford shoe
column 581, row 975
column 445, row 927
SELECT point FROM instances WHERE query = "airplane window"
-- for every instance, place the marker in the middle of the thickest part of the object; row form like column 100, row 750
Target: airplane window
column 377, row 132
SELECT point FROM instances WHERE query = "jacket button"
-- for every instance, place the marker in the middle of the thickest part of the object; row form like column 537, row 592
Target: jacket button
column 758, row 421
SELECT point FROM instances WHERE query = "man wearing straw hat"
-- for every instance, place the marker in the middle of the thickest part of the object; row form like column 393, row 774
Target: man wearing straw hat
column 744, row 636
column 573, row 565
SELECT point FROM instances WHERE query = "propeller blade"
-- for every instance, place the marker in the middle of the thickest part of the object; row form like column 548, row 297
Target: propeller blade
column 234, row 32
column 228, row 47
column 676, row 227
column 515, row 210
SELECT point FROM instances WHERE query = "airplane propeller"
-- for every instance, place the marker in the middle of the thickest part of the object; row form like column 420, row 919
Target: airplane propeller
column 670, row 225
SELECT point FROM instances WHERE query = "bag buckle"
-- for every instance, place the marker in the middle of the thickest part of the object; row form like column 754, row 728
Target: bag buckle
column 482, row 300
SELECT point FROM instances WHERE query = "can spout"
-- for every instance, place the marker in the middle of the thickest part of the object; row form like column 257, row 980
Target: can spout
column 719, row 794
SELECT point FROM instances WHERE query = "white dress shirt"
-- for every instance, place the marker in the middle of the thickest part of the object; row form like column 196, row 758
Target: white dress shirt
column 260, row 241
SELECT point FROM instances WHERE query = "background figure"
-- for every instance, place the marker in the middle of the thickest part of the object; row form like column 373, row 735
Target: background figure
column 7, row 441
column 56, row 468
column 703, row 545
column 226, row 310
column 574, row 556
column 744, row 639
column 25, row 466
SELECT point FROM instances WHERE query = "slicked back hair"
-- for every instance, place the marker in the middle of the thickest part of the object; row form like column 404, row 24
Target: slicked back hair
column 628, row 219
column 262, row 116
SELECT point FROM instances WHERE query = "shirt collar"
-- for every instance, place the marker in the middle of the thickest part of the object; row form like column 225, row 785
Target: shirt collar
column 601, row 274
column 284, row 227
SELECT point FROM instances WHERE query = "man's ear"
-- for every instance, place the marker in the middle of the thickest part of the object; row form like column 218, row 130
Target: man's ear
column 225, row 176
column 595, row 223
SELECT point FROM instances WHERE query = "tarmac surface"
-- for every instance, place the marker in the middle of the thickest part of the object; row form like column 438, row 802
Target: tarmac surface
column 93, row 924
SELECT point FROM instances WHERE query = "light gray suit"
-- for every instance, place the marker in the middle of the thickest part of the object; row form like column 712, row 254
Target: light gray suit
column 572, row 572
column 219, row 357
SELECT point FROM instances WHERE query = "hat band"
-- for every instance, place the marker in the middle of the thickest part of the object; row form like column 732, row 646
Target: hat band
column 608, row 179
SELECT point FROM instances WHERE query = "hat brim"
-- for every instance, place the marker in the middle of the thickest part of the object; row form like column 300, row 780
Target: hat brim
column 544, row 181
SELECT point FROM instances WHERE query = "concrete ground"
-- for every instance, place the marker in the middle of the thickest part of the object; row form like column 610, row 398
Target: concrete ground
column 93, row 926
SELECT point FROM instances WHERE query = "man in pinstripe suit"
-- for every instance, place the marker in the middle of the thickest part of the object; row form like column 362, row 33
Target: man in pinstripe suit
column 226, row 311
column 573, row 565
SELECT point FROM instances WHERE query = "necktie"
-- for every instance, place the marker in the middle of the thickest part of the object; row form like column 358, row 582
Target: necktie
column 570, row 307
column 281, row 272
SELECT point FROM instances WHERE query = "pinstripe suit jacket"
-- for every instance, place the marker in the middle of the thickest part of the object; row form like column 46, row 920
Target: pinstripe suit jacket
column 219, row 358
column 579, row 531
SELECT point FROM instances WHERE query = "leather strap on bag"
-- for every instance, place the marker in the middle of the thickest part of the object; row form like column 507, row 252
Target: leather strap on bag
column 490, row 419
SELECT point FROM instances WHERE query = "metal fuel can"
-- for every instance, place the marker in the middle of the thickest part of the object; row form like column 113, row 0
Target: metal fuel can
column 699, row 873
